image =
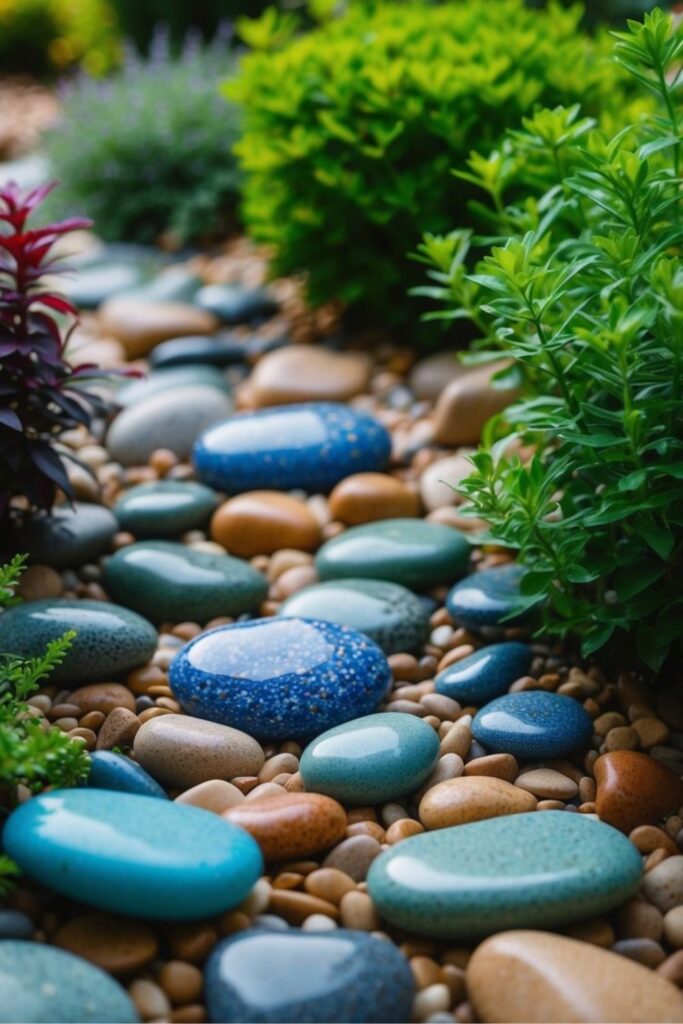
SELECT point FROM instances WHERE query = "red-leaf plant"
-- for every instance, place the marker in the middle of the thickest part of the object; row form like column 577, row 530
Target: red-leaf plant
column 40, row 394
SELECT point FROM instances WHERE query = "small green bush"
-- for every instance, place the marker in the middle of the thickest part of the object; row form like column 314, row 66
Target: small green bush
column 587, row 296
column 147, row 151
column 351, row 130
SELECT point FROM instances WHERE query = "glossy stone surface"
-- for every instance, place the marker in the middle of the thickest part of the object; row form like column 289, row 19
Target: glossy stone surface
column 133, row 854
column 412, row 552
column 41, row 983
column 115, row 771
column 280, row 678
column 165, row 509
column 109, row 639
column 388, row 613
column 307, row 978
column 170, row 379
column 292, row 825
column 305, row 373
column 544, row 869
column 94, row 284
column 198, row 352
column 533, row 724
column 475, row 798
column 311, row 446
column 167, row 582
column 536, row 977
column 486, row 598
column 371, row 760
column 70, row 536
column 486, row 674
column 634, row 789
column 235, row 304
column 261, row 522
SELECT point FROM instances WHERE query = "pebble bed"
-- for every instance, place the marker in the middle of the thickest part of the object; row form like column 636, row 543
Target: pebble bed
column 329, row 782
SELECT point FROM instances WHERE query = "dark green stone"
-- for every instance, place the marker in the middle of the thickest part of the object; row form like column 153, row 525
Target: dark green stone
column 168, row 380
column 165, row 509
column 70, row 536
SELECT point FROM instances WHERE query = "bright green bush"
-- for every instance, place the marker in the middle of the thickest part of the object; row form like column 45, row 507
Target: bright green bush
column 147, row 151
column 352, row 129
column 587, row 296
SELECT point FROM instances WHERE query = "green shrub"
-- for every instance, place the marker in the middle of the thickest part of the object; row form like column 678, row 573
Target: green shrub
column 352, row 129
column 44, row 36
column 587, row 296
column 147, row 150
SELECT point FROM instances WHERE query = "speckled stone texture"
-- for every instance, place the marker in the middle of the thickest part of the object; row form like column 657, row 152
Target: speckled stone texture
column 634, row 789
column 307, row 978
column 533, row 724
column 280, row 678
column 312, row 446
column 486, row 674
column 70, row 536
column 292, row 825
column 166, row 508
column 371, row 760
column 115, row 771
column 41, row 983
column 487, row 598
column 538, row 870
column 388, row 613
column 109, row 639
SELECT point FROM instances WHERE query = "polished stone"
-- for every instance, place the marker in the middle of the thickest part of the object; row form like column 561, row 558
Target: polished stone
column 109, row 770
column 488, row 598
column 69, row 536
column 533, row 724
column 166, row 508
column 235, row 304
column 486, row 674
column 159, row 381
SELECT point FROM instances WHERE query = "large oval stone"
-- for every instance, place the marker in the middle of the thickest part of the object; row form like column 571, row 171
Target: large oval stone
column 310, row 446
column 533, row 724
column 261, row 522
column 473, row 798
column 306, row 373
column 42, row 983
column 166, row 508
column 69, row 536
column 109, row 639
column 168, row 582
column 488, row 598
column 278, row 678
column 411, row 552
column 388, row 613
column 133, row 854
column 371, row 760
column 486, row 674
column 257, row 978
column 171, row 379
column 543, row 869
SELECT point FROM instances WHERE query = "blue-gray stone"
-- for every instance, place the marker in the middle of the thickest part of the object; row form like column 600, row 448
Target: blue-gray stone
column 175, row 284
column 486, row 674
column 115, row 771
column 135, row 391
column 307, row 978
column 533, row 724
column 198, row 351
column 165, row 508
column 69, row 536
column 97, row 282
column 15, row 925
column 235, row 304
column 489, row 598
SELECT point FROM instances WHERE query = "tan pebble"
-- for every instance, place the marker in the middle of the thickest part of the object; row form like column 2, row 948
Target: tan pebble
column 193, row 941
column 673, row 825
column 663, row 885
column 295, row 906
column 329, row 884
column 142, row 679
column 102, row 697
column 293, row 580
column 319, row 923
column 358, row 912
column 433, row 999
column 295, row 784
column 288, row 880
column 473, row 798
column 550, row 805
column 284, row 559
column 425, row 971
column 256, row 902
column 291, row 825
column 214, row 795
column 622, row 738
column 187, row 630
column 403, row 829
column 353, row 856
column 367, row 497
column 651, row 732
column 366, row 828
column 673, row 927
column 92, row 720
column 407, row 707
column 38, row 582
column 245, row 783
column 454, row 977
column 63, row 710
column 261, row 522
column 466, row 403
column 140, row 325
column 162, row 459
column 445, row 708
column 638, row 919
column 392, row 813
column 269, row 790
column 654, row 859
column 118, row 730
column 66, row 724
column 306, row 373
column 457, row 740
column 149, row 999
column 647, row 838
column 117, row 945
column 544, row 782
column 275, row 765
column 88, row 737
column 497, row 766
column 672, row 968
column 454, row 655
column 449, row 766
column 193, row 1013
column 438, row 481
column 182, row 982
column 404, row 667
column 149, row 713
column 587, row 789
column 233, row 921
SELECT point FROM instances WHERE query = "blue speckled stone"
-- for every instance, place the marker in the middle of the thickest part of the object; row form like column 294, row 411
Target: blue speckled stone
column 133, row 854
column 299, row 977
column 69, row 536
column 411, row 552
column 537, row 870
column 278, row 678
column 234, row 304
column 389, row 614
column 533, row 724
column 486, row 674
column 486, row 598
column 115, row 771
column 312, row 446
column 371, row 760
column 166, row 508
column 170, row 379
column 40, row 983
column 109, row 640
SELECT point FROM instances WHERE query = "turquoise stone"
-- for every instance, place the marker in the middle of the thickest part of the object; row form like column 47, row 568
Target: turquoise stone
column 389, row 614
column 165, row 509
column 371, row 760
column 170, row 379
column 486, row 674
column 109, row 640
column 412, row 552
column 115, row 771
column 170, row 582
column 539, row 870
column 69, row 536
column 533, row 724
column 488, row 598
column 42, row 983
column 132, row 854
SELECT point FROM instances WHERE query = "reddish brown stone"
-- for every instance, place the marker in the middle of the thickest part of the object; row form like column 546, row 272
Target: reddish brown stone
column 634, row 789
column 291, row 825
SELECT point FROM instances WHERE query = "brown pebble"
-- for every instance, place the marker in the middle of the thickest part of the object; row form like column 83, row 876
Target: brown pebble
column 367, row 497
column 295, row 907
column 672, row 968
column 366, row 828
column 193, row 941
column 642, row 950
column 117, row 945
column 598, row 932
column 39, row 582
column 457, row 740
column 192, row 1013
column 354, row 856
column 329, row 884
column 647, row 838
column 142, row 679
column 634, row 789
column 403, row 829
column 497, row 766
column 262, row 522
column 118, row 730
column 150, row 1000
column 277, row 764
column 92, row 720
column 102, row 697
column 288, row 880
column 624, row 737
column 651, row 732
column 638, row 919
column 182, row 982
column 358, row 912
column 214, row 795
column 548, row 784
column 473, row 798
column 291, row 825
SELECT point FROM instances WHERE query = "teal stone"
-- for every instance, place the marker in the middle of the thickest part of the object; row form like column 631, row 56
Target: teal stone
column 68, row 536
column 92, row 285
column 389, row 614
column 490, row 597
column 371, row 760
column 486, row 674
column 135, row 391
column 109, row 640
column 116, row 771
column 132, row 854
column 537, row 870
column 170, row 582
column 174, row 284
column 41, row 983
column 165, row 509
column 412, row 552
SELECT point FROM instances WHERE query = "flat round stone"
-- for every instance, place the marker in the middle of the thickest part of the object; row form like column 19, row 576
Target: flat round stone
column 486, row 674
column 412, row 552
column 533, row 724
column 168, row 582
column 310, row 446
column 258, row 976
column 165, row 509
column 133, row 854
column 109, row 640
column 115, row 771
column 92, row 285
column 388, row 613
column 42, row 983
column 235, row 304
column 487, row 598
column 199, row 351
column 278, row 678
column 537, row 870
column 70, row 536
column 371, row 760
column 170, row 379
